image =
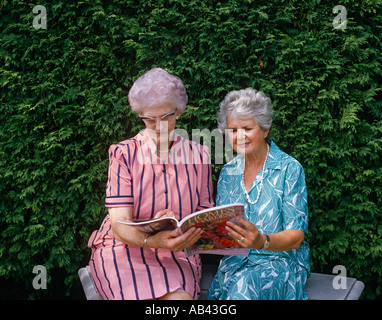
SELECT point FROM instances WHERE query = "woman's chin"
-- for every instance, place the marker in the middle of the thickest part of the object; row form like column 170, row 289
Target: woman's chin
column 242, row 150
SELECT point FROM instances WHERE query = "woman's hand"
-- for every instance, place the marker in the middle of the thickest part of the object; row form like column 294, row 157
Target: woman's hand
column 247, row 237
column 164, row 213
column 174, row 240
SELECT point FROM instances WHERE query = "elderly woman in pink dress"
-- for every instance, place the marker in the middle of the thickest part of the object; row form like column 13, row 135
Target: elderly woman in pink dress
column 153, row 174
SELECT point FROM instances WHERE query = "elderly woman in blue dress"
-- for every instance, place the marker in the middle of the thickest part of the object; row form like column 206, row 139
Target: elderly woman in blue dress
column 271, row 185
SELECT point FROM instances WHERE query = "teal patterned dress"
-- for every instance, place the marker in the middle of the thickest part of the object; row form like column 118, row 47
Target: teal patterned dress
column 266, row 275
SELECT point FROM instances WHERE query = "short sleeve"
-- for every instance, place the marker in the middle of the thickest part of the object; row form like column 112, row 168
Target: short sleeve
column 295, row 201
column 119, row 189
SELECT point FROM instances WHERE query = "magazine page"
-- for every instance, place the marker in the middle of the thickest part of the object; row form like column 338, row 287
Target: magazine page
column 153, row 226
column 214, row 239
column 215, row 235
column 235, row 251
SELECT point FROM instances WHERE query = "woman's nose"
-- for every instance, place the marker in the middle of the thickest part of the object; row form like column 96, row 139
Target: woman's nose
column 161, row 126
column 241, row 134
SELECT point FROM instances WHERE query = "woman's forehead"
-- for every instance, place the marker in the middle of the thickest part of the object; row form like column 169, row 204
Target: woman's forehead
column 158, row 110
column 239, row 122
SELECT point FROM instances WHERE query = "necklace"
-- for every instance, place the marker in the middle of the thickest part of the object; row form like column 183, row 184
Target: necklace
column 261, row 182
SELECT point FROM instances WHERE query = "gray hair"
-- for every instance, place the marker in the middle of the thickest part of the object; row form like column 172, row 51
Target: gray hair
column 246, row 104
column 157, row 86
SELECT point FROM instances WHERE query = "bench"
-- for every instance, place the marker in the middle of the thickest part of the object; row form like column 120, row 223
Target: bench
column 318, row 287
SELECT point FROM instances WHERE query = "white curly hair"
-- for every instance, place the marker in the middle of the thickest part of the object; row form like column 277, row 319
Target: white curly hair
column 246, row 104
column 157, row 86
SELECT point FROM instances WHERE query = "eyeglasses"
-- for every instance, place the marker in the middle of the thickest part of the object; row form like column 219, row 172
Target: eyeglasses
column 152, row 121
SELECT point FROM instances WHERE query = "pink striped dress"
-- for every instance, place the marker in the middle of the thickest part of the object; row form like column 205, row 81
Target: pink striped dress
column 138, row 178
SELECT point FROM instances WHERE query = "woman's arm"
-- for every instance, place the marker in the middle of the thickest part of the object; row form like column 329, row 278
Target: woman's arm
column 171, row 240
column 284, row 240
column 251, row 238
column 124, row 233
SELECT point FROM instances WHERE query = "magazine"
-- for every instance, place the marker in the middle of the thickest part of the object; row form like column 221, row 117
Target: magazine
column 214, row 239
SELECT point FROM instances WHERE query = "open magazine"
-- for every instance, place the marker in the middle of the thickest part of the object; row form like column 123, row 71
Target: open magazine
column 214, row 239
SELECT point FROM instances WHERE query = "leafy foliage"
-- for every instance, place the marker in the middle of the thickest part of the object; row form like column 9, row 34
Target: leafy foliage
column 63, row 101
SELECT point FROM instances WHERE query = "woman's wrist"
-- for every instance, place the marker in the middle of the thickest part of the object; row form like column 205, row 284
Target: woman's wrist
column 267, row 242
column 259, row 243
column 146, row 244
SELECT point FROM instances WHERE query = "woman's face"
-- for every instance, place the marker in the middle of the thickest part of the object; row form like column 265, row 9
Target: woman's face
column 245, row 136
column 160, row 120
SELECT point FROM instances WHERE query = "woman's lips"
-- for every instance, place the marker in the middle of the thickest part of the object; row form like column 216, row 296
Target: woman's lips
column 243, row 145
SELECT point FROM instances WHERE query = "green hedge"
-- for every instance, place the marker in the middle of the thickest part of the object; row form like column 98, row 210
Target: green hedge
column 63, row 101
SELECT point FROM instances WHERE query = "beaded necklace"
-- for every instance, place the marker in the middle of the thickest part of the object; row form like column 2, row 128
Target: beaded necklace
column 261, row 182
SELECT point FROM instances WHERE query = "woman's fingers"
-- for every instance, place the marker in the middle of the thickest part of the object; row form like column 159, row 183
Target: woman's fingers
column 177, row 241
column 238, row 236
column 191, row 236
column 244, row 236
column 164, row 213
column 235, row 228
column 196, row 236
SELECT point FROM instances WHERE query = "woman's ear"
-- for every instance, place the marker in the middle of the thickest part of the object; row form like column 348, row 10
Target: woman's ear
column 266, row 133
